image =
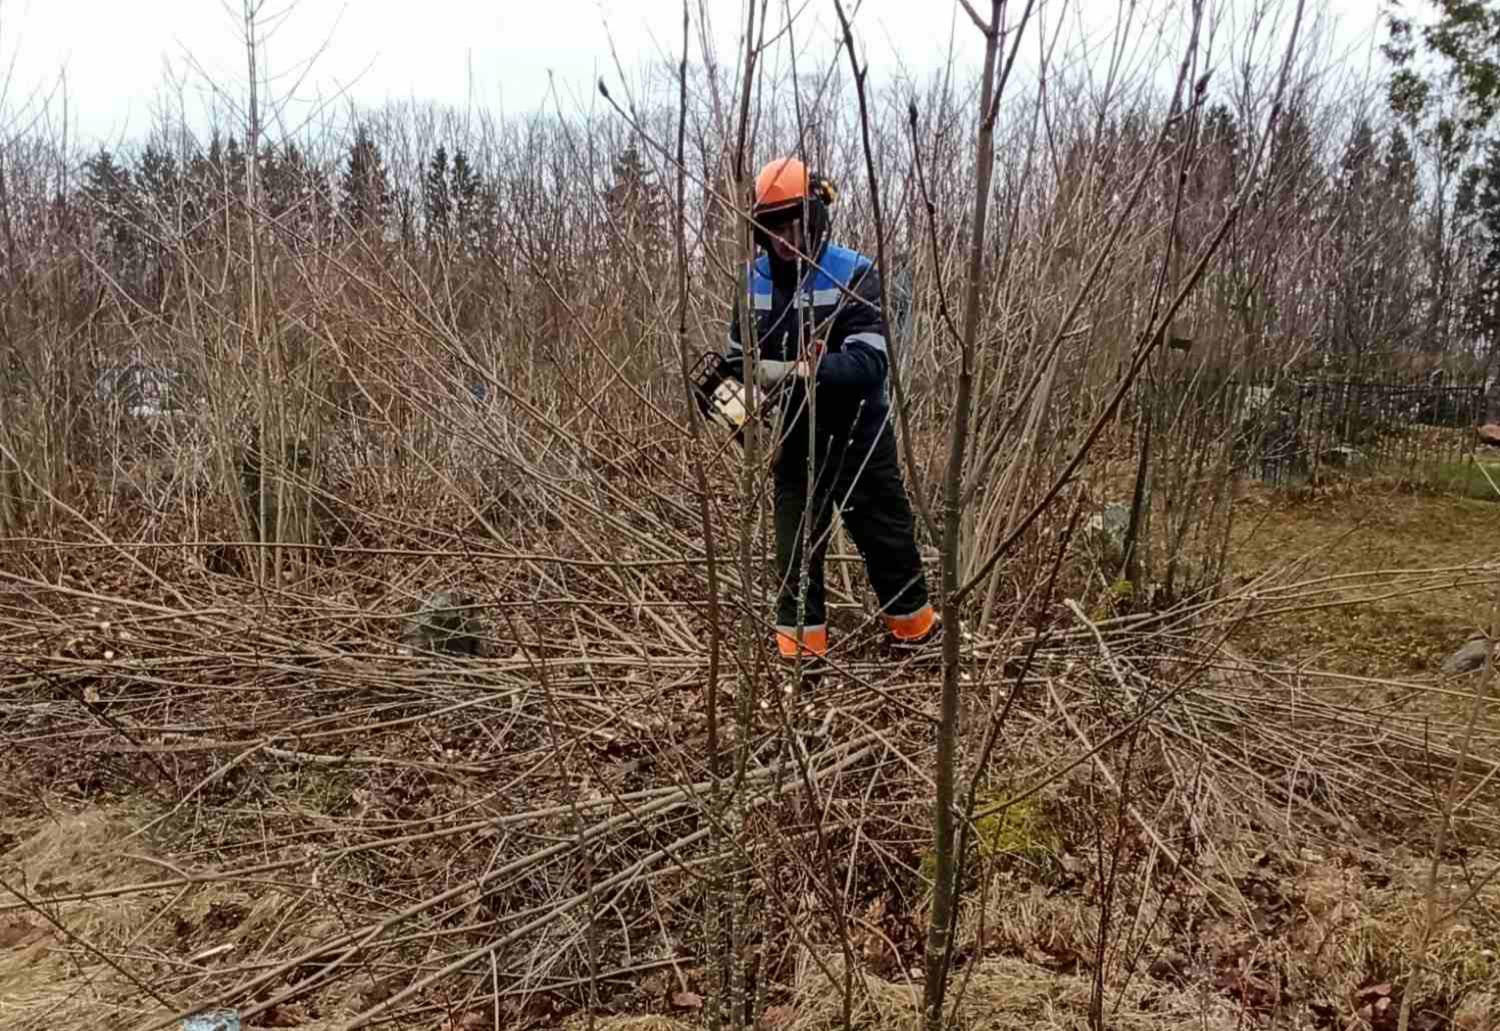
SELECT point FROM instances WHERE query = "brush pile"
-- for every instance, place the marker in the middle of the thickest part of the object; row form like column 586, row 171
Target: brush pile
column 222, row 795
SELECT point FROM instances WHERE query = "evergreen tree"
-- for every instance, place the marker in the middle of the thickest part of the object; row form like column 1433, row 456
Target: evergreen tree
column 1449, row 103
column 286, row 194
column 277, row 192
column 637, row 205
column 1395, row 212
column 158, row 182
column 233, row 171
column 157, row 193
column 1481, row 201
column 1216, row 181
column 108, row 200
column 310, row 206
column 407, row 204
column 364, row 190
column 1293, row 222
column 199, row 187
column 203, row 193
column 633, row 190
column 1219, row 154
column 437, row 201
column 1352, row 244
column 469, row 202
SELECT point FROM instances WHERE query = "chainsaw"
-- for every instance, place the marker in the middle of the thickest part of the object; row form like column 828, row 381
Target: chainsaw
column 721, row 396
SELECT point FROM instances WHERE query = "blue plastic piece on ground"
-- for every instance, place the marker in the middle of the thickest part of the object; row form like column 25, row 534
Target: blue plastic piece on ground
column 213, row 1020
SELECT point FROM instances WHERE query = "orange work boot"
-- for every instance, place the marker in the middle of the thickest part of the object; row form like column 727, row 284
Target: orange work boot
column 814, row 641
column 915, row 628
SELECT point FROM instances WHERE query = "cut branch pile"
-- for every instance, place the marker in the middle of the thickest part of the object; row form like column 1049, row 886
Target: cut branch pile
column 315, row 826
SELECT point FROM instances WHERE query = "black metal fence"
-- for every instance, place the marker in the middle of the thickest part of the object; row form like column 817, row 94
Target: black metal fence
column 1289, row 427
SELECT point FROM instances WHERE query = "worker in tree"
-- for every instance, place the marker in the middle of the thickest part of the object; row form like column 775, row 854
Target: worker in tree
column 822, row 346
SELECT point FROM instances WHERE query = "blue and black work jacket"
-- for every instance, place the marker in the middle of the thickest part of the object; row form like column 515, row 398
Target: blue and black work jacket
column 839, row 305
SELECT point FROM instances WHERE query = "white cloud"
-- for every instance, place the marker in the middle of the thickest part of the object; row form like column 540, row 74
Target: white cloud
column 117, row 54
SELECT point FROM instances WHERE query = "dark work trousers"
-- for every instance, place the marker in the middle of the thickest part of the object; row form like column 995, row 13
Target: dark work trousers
column 865, row 483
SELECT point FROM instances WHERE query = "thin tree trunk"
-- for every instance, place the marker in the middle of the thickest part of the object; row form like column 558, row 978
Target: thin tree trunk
column 944, row 825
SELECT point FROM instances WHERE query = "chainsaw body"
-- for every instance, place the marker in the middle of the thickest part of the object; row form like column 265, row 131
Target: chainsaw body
column 721, row 396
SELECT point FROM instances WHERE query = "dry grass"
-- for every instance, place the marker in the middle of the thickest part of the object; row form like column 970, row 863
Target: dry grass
column 1007, row 994
column 1365, row 526
column 48, row 978
column 72, row 976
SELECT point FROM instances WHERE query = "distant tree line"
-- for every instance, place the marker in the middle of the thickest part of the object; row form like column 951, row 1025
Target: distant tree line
column 1371, row 239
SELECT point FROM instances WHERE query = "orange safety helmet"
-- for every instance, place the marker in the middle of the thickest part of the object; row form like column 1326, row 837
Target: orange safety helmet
column 782, row 187
column 781, row 184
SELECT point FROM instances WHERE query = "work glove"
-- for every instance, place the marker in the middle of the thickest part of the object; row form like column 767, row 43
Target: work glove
column 771, row 374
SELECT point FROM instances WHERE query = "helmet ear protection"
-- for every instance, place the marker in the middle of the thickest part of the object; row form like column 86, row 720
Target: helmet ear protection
column 822, row 196
column 823, row 189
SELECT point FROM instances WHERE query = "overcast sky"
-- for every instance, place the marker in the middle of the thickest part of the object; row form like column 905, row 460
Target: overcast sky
column 117, row 53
